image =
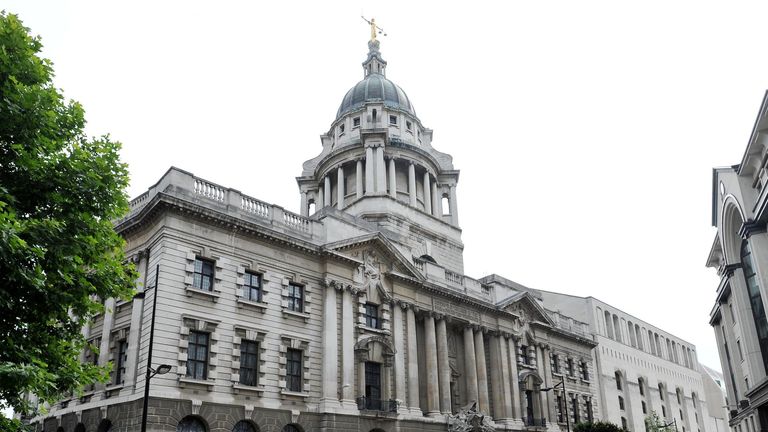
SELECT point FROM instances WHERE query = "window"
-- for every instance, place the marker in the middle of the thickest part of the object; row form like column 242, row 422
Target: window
column 356, row 122
column 677, row 395
column 575, row 408
column 618, row 381
column 590, row 415
column 372, row 385
column 295, row 297
column 641, row 386
column 197, row 355
column 661, row 392
column 408, row 126
column 524, row 354
column 755, row 301
column 122, row 356
column 624, row 423
column 560, row 418
column 372, row 316
column 249, row 362
column 190, row 424
column 733, row 316
column 290, row 427
column 243, row 426
column 621, row 403
column 341, row 129
column 252, row 287
column 555, row 363
column 203, row 275
column 681, row 414
column 293, row 370
column 571, row 371
column 393, row 120
column 645, row 408
column 663, row 411
column 746, row 382
column 584, row 371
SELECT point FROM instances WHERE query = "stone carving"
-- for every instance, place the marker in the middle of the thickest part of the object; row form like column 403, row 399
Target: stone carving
column 451, row 309
column 469, row 419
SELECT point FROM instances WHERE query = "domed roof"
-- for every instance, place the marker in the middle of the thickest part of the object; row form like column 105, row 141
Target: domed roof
column 375, row 88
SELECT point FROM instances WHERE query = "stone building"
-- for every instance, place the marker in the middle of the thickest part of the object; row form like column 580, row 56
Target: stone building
column 739, row 253
column 354, row 315
column 640, row 368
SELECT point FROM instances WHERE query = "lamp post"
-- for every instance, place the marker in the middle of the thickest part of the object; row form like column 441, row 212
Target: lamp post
column 151, row 372
column 565, row 402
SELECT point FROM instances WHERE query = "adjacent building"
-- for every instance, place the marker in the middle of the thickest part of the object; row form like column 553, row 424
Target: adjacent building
column 739, row 253
column 354, row 315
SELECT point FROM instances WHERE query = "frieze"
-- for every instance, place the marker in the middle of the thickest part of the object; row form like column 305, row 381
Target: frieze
column 456, row 310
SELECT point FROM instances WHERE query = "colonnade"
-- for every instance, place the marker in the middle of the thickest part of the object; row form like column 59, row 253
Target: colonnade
column 377, row 175
column 497, row 390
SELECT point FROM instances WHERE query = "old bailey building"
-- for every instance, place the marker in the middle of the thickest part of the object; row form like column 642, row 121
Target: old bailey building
column 354, row 315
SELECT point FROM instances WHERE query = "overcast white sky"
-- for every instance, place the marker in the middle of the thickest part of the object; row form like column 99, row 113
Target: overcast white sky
column 585, row 131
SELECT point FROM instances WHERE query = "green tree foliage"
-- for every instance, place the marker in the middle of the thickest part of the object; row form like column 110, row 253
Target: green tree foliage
column 59, row 255
column 598, row 426
column 656, row 424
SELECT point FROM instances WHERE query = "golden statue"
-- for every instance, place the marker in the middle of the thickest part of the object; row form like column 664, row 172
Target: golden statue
column 374, row 28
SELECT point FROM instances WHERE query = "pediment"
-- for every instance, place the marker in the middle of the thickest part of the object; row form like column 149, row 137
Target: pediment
column 526, row 308
column 376, row 256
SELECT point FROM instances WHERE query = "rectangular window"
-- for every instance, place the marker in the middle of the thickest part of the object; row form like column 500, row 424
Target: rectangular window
column 524, row 354
column 645, row 408
column 560, row 418
column 575, row 408
column 372, row 385
column 252, row 287
column 663, row 411
column 641, row 386
column 555, row 364
column 203, row 277
column 624, row 423
column 738, row 347
column 249, row 362
column 356, row 122
column 621, row 403
column 197, row 355
column 122, row 356
column 408, row 126
column 293, row 370
column 590, row 416
column 295, row 297
column 571, row 371
column 618, row 381
column 341, row 130
column 584, row 371
column 393, row 120
column 372, row 315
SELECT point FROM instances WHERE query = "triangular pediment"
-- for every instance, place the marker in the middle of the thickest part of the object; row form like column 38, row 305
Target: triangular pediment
column 526, row 308
column 375, row 250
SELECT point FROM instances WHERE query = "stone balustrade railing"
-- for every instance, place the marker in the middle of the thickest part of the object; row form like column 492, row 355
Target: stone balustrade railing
column 453, row 280
column 185, row 185
column 567, row 323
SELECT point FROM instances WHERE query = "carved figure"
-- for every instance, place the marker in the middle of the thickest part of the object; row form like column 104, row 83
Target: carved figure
column 469, row 419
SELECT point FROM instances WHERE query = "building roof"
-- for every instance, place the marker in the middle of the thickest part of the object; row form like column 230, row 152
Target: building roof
column 375, row 88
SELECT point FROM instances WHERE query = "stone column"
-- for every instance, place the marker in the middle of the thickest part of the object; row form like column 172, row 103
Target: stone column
column 413, row 363
column 304, row 208
column 328, row 196
column 330, row 349
column 506, row 391
column 543, row 396
column 348, row 350
column 551, row 399
column 132, row 352
column 369, row 171
column 512, row 355
column 412, row 183
column 430, row 351
column 427, row 193
column 399, row 336
column 106, row 334
column 340, row 188
column 482, row 374
column 469, row 364
column 444, row 368
column 454, row 207
column 381, row 172
column 320, row 201
column 392, row 178
column 435, row 200
column 359, row 179
column 496, row 377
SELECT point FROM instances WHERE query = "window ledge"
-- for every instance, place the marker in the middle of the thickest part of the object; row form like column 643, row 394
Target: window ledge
column 557, row 374
column 196, row 382
column 587, row 381
column 373, row 329
column 258, row 305
column 304, row 315
column 211, row 295
column 285, row 392
column 246, row 388
column 114, row 387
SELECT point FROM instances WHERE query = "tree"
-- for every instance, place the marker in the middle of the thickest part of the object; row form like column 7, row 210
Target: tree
column 598, row 426
column 654, row 423
column 59, row 254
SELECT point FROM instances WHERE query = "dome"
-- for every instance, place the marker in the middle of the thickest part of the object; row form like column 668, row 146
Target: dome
column 375, row 88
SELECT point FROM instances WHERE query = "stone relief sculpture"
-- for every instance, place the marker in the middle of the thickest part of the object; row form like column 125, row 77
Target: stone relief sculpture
column 469, row 419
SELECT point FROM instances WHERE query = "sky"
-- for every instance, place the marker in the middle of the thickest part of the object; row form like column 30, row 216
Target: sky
column 585, row 132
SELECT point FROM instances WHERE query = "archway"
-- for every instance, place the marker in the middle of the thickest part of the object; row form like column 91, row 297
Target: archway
column 191, row 424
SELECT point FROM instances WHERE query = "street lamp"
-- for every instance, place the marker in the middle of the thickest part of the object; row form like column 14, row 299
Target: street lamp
column 565, row 402
column 151, row 372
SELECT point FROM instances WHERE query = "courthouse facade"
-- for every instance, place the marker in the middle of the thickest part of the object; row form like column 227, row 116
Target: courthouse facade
column 354, row 315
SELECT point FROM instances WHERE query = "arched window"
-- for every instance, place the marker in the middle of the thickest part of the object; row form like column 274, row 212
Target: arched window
column 608, row 325
column 291, row 428
column 755, row 300
column 618, row 380
column 191, row 424
column 80, row 427
column 446, row 205
column 105, row 426
column 243, row 426
column 641, row 386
